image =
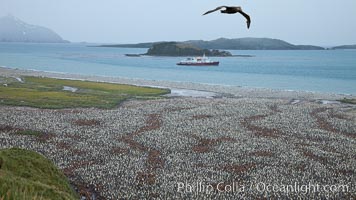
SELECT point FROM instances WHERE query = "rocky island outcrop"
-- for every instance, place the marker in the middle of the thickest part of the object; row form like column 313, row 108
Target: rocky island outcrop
column 182, row 49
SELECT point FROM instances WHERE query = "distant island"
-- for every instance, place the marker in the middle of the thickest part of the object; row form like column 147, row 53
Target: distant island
column 15, row 30
column 251, row 44
column 182, row 49
column 345, row 47
column 232, row 44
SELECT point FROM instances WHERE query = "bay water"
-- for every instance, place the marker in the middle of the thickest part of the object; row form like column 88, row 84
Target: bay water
column 330, row 71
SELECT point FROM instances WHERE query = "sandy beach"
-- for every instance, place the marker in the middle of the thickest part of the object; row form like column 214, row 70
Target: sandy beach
column 200, row 142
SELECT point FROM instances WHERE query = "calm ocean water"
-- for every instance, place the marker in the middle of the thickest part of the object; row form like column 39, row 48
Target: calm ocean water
column 321, row 71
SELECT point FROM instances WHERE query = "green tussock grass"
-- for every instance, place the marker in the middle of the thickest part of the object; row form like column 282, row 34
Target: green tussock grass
column 48, row 93
column 28, row 175
column 351, row 101
column 28, row 132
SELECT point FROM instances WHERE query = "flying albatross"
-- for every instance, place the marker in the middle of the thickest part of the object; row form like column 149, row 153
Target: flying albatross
column 232, row 10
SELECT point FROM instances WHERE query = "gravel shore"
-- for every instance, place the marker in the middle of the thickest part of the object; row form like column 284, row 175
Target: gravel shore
column 224, row 143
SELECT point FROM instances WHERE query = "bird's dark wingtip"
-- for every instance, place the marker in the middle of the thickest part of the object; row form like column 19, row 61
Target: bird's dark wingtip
column 248, row 25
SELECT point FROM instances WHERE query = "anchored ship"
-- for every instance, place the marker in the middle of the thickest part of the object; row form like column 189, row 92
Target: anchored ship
column 198, row 61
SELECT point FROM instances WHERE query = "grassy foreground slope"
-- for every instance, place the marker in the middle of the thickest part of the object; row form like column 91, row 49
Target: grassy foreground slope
column 49, row 93
column 28, row 175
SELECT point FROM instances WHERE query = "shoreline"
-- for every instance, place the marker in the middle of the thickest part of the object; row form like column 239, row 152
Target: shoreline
column 212, row 89
column 260, row 136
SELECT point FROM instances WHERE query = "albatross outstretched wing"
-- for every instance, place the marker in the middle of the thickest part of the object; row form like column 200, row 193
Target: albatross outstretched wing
column 247, row 17
column 216, row 9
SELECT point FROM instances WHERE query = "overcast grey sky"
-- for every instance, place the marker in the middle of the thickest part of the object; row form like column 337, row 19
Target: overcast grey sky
column 318, row 22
